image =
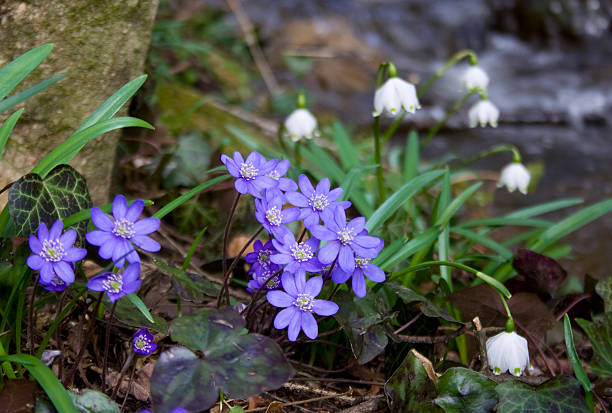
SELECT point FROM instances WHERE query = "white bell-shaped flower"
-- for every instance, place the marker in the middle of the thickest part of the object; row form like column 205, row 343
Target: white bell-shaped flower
column 513, row 176
column 474, row 78
column 301, row 124
column 508, row 352
column 483, row 112
column 395, row 94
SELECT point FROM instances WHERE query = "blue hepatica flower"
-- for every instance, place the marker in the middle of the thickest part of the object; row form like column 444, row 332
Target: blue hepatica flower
column 142, row 342
column 263, row 276
column 298, row 303
column 297, row 257
column 283, row 184
column 270, row 213
column 118, row 284
column 315, row 201
column 260, row 257
column 117, row 234
column 344, row 240
column 56, row 284
column 251, row 173
column 54, row 255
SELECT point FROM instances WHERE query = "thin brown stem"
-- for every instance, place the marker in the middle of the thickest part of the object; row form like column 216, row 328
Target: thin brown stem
column 302, row 235
column 90, row 332
column 106, row 345
column 237, row 259
column 535, row 344
column 255, row 297
column 31, row 317
column 408, row 324
column 129, row 388
column 225, row 285
column 124, row 369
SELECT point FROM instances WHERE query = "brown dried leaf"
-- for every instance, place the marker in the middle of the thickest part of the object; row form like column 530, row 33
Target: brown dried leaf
column 544, row 271
column 275, row 407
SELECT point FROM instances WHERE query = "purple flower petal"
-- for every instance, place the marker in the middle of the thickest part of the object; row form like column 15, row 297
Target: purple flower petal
column 231, row 166
column 334, row 194
column 107, row 248
column 359, row 284
column 374, row 273
column 288, row 282
column 131, row 273
column 367, row 241
column 300, row 280
column 134, row 210
column 356, row 224
column 283, row 317
column 309, row 325
column 238, row 159
column 146, row 243
column 101, row 220
column 310, row 218
column 35, row 262
column 346, row 259
column 121, row 251
column 132, row 287
column 279, row 298
column 35, row 244
column 323, row 186
column 241, row 186
column 97, row 283
column 56, row 230
column 99, row 238
column 322, row 233
column 43, row 233
column 338, row 276
column 313, row 286
column 68, row 238
column 305, row 186
column 287, row 185
column 339, row 217
column 294, row 326
column 75, row 254
column 146, row 226
column 46, row 272
column 364, row 252
column 63, row 271
column 280, row 259
column 328, row 253
column 119, row 207
column 324, row 307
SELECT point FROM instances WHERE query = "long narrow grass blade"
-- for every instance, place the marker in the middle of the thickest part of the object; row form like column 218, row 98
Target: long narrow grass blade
column 134, row 299
column 536, row 210
column 13, row 73
column 423, row 240
column 576, row 364
column 452, row 208
column 346, row 149
column 169, row 207
column 7, row 128
column 22, row 96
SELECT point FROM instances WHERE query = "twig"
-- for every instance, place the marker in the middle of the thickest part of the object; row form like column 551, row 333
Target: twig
column 239, row 255
column 432, row 339
column 256, row 52
column 337, row 380
column 224, row 264
column 408, row 324
column 372, row 405
column 126, row 365
column 106, row 345
column 535, row 344
column 127, row 392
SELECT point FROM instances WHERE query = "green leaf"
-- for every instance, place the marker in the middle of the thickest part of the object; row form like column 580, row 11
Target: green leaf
column 17, row 98
column 540, row 209
column 361, row 319
column 429, row 309
column 33, row 200
column 561, row 394
column 419, row 242
column 464, row 390
column 65, row 151
column 113, row 103
column 92, row 401
column 483, row 240
column 241, row 365
column 604, row 289
column 192, row 249
column 409, row 389
column 411, row 160
column 47, row 380
column 7, row 128
column 499, row 222
column 170, row 206
column 600, row 335
column 570, row 224
column 189, row 161
column 142, row 307
column 323, row 161
column 85, row 214
column 347, row 151
column 124, row 311
column 13, row 73
column 573, row 356
column 450, row 210
column 190, row 287
column 402, row 195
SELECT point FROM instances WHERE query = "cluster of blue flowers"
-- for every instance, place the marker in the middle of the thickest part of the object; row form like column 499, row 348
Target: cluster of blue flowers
column 299, row 267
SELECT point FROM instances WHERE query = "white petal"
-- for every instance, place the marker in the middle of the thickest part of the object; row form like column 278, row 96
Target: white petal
column 515, row 175
column 507, row 352
column 483, row 112
column 407, row 95
column 301, row 124
column 475, row 78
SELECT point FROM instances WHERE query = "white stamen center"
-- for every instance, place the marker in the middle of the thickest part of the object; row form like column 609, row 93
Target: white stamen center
column 304, row 302
column 361, row 262
column 113, row 284
column 143, row 343
column 124, row 229
column 52, row 250
column 345, row 236
column 274, row 175
column 272, row 283
column 318, row 202
column 301, row 252
column 263, row 257
column 274, row 217
column 248, row 171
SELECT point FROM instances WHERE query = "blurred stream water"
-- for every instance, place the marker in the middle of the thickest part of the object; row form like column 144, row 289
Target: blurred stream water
column 550, row 64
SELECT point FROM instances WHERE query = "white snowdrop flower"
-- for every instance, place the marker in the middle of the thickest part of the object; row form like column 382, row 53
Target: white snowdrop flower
column 474, row 78
column 508, row 352
column 513, row 176
column 483, row 112
column 301, row 124
column 395, row 94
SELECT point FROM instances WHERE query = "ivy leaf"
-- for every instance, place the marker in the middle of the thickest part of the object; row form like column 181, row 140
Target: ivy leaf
column 464, row 390
column 600, row 334
column 361, row 319
column 560, row 394
column 92, row 401
column 33, row 200
column 409, row 389
column 241, row 365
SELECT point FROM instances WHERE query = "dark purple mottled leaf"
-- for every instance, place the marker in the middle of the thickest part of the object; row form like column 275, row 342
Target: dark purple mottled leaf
column 181, row 379
column 544, row 271
column 410, row 390
column 464, row 390
column 561, row 394
column 361, row 319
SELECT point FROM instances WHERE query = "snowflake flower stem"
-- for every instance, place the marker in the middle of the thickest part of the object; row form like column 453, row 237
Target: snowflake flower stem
column 106, row 344
column 90, row 333
column 516, row 155
column 436, row 128
column 382, row 193
column 454, row 59
column 224, row 286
